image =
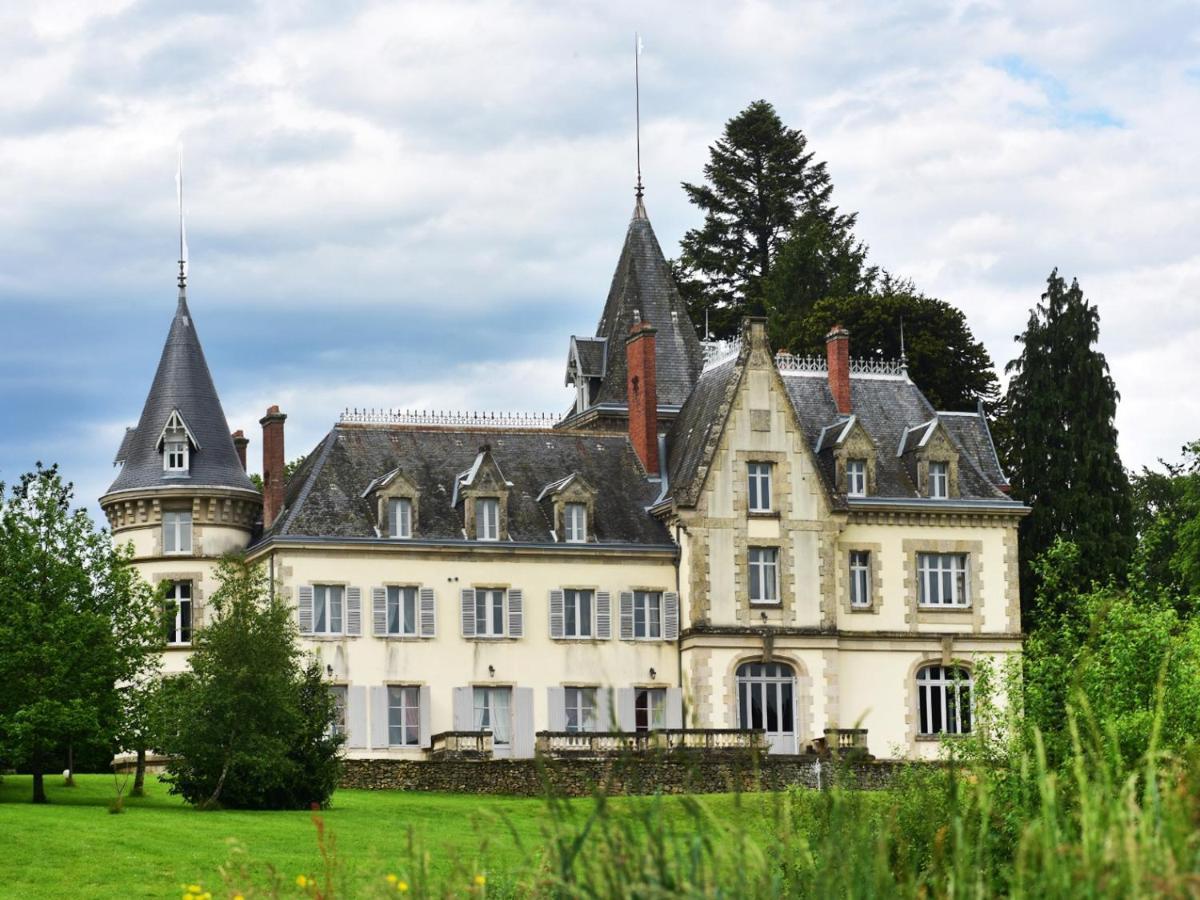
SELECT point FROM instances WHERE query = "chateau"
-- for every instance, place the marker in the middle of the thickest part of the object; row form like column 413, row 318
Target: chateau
column 714, row 541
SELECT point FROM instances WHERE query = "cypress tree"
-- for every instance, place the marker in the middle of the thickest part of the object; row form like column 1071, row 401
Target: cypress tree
column 1060, row 440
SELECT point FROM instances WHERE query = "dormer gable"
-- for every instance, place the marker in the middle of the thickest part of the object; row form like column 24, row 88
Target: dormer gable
column 931, row 458
column 483, row 490
column 855, row 455
column 572, row 504
column 176, row 443
column 394, row 499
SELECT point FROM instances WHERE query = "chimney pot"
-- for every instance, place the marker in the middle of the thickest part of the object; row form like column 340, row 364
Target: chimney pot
column 273, row 464
column 240, row 442
column 837, row 351
column 643, row 394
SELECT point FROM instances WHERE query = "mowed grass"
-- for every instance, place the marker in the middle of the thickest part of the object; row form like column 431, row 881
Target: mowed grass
column 73, row 846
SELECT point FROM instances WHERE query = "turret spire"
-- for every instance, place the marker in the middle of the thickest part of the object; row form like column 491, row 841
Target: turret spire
column 637, row 106
column 183, row 250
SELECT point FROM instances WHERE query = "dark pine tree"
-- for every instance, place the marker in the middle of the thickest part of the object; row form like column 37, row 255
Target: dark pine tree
column 1060, row 440
column 760, row 182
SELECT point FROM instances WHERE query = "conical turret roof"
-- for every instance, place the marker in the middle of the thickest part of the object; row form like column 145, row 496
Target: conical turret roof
column 642, row 286
column 181, row 385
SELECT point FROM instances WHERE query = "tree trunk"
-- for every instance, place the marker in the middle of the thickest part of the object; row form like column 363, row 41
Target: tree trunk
column 70, row 782
column 211, row 802
column 139, row 774
column 39, row 787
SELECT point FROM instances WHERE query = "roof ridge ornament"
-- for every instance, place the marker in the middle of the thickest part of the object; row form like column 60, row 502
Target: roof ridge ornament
column 183, row 248
column 637, row 112
column 447, row 418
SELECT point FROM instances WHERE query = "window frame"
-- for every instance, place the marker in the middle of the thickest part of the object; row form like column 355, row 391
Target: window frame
column 939, row 482
column 959, row 573
column 404, row 693
column 492, row 611
column 759, row 478
column 575, row 602
column 482, row 530
column 175, row 624
column 490, row 692
column 643, row 603
column 574, row 698
column 756, row 570
column 173, row 447
column 340, row 724
column 177, row 523
column 323, row 609
column 404, row 523
column 575, row 516
column 859, row 565
column 650, row 704
column 935, row 683
column 401, row 603
column 856, row 477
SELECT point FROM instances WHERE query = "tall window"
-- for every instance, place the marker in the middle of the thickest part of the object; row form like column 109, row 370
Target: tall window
column 760, row 487
column 647, row 614
column 764, row 575
column 766, row 700
column 493, row 712
column 939, row 480
column 650, row 708
column 175, row 456
column 401, row 610
column 942, row 579
column 179, row 613
column 338, row 691
column 577, row 614
column 487, row 519
column 400, row 517
column 860, row 578
column 177, row 531
column 581, row 709
column 404, row 716
column 856, row 477
column 944, row 700
column 575, row 515
column 489, row 612
column 327, row 608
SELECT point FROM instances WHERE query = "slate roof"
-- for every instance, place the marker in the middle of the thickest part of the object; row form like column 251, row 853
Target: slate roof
column 643, row 282
column 971, row 432
column 698, row 426
column 590, row 354
column 325, row 496
column 181, row 383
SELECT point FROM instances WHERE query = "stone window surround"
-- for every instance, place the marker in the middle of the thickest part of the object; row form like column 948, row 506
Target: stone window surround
column 912, row 717
column 782, row 565
column 773, row 491
column 168, row 506
column 197, row 600
column 972, row 614
column 842, row 580
column 802, row 699
column 487, row 492
column 857, row 445
column 781, row 489
column 399, row 488
column 578, row 491
column 924, row 457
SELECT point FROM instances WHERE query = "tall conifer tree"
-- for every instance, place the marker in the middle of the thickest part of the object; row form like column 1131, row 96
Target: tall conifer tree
column 1060, row 440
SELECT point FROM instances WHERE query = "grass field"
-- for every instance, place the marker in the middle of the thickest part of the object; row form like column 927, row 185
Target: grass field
column 73, row 847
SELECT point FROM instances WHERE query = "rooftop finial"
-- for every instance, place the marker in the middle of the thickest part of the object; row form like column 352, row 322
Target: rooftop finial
column 903, row 355
column 183, row 251
column 637, row 106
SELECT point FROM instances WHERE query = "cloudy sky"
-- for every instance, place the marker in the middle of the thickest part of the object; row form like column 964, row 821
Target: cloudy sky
column 414, row 204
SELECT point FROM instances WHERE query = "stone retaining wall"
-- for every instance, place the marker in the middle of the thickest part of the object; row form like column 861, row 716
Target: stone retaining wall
column 673, row 773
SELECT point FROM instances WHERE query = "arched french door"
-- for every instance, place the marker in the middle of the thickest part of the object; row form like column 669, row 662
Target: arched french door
column 767, row 700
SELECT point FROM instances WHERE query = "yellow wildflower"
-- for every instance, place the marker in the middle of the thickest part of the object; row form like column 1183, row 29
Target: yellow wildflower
column 301, row 881
column 194, row 889
column 189, row 896
column 402, row 886
column 239, row 897
column 480, row 880
column 391, row 879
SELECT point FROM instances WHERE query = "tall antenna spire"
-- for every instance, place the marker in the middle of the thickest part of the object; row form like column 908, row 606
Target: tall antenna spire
column 183, row 250
column 637, row 105
column 903, row 355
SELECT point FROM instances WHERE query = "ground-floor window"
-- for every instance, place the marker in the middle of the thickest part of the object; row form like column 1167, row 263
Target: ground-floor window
column 944, row 700
column 404, row 715
column 339, row 709
column 581, row 708
column 493, row 712
column 766, row 697
column 650, row 708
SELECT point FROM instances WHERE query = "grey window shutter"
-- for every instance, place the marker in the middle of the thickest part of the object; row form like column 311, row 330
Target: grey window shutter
column 674, row 709
column 627, row 615
column 356, row 717
column 556, row 614
column 464, row 709
column 379, row 717
column 523, row 737
column 391, row 517
column 379, row 610
column 604, row 715
column 556, row 707
column 424, row 713
column 468, row 612
column 353, row 611
column 306, row 609
column 670, row 623
column 603, row 615
column 428, row 613
column 516, row 613
column 626, row 711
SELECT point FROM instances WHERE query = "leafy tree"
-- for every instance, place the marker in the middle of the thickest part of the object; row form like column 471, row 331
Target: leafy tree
column 1060, row 444
column 289, row 469
column 1166, row 508
column 762, row 190
column 76, row 622
column 951, row 367
column 249, row 725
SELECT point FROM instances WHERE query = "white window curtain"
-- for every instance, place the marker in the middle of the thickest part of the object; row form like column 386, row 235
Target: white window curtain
column 327, row 608
column 493, row 711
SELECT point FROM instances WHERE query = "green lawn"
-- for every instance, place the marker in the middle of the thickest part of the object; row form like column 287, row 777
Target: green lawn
column 73, row 847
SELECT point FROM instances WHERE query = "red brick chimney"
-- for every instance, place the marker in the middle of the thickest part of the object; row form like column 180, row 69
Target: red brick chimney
column 240, row 443
column 837, row 349
column 643, row 394
column 272, row 473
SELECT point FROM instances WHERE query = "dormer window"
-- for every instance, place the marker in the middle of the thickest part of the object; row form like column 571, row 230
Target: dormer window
column 175, row 456
column 400, row 517
column 176, row 443
column 487, row 519
column 575, row 516
column 856, row 477
column 939, row 480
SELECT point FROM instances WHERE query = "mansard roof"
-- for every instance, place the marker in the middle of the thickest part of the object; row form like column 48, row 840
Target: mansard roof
column 642, row 287
column 325, row 497
column 182, row 385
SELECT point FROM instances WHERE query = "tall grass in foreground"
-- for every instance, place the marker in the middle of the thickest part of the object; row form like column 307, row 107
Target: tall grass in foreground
column 1098, row 827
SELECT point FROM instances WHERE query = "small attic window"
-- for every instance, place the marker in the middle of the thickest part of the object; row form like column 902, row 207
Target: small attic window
column 176, row 443
column 175, row 455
